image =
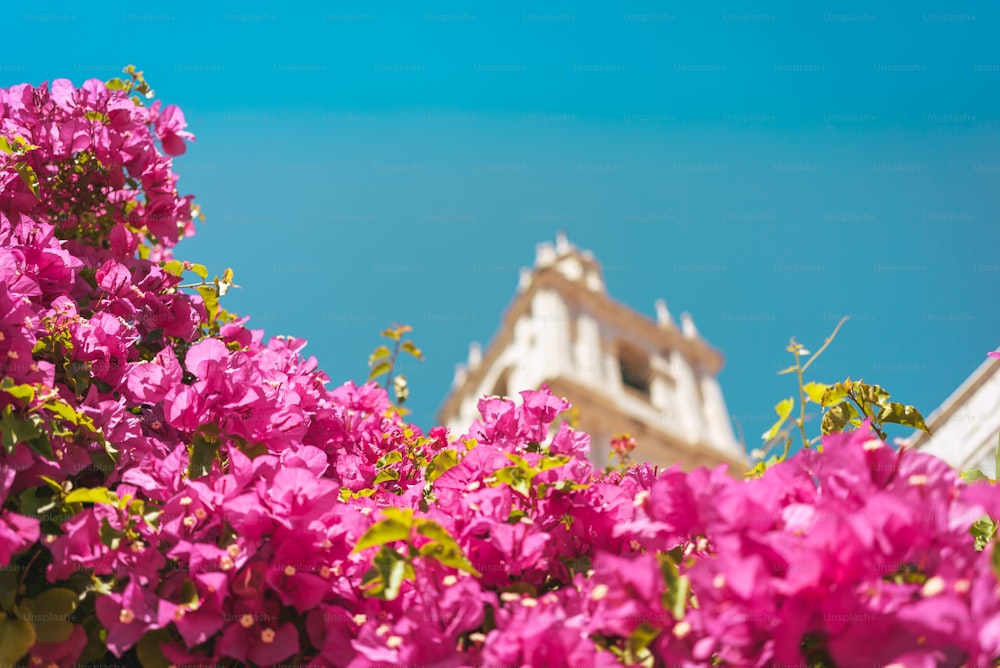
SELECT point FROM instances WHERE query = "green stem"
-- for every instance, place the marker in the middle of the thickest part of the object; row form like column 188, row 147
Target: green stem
column 826, row 343
column 799, row 369
column 392, row 366
column 875, row 424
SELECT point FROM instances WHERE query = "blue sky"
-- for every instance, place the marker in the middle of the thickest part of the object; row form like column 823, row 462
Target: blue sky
column 768, row 167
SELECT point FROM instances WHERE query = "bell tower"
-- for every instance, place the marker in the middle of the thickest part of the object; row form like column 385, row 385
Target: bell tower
column 623, row 371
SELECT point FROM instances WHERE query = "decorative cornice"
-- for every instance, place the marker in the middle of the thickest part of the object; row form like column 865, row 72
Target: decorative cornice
column 663, row 335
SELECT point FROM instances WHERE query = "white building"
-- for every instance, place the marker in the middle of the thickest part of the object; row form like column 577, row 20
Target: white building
column 623, row 371
column 966, row 426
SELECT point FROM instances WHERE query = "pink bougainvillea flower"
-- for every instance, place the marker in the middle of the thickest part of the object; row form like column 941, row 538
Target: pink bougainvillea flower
column 127, row 616
column 170, row 126
column 17, row 532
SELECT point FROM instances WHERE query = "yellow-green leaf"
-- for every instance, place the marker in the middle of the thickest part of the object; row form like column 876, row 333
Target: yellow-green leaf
column 24, row 392
column 379, row 353
column 815, row 391
column 16, row 638
column 29, row 177
column 379, row 369
column 150, row 649
column 175, row 267
column 204, row 450
column 412, row 349
column 441, row 462
column 905, row 415
column 783, row 409
column 92, row 495
column 385, row 476
column 386, row 531
column 49, row 613
column 210, row 295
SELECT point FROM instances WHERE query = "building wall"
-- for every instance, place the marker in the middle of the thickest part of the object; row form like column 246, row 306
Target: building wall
column 965, row 428
column 559, row 331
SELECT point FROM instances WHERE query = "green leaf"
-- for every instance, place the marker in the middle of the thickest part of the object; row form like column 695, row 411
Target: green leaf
column 29, row 177
column 386, row 531
column 92, row 495
column 386, row 578
column 116, row 84
column 783, row 408
column 379, row 369
column 6, row 146
column 14, row 430
column 201, row 270
column 49, row 613
column 8, row 587
column 379, row 353
column 204, row 450
column 96, row 648
column 836, row 419
column 995, row 559
column 983, row 530
column 520, row 461
column 412, row 349
column 63, row 410
column 150, row 650
column 815, row 391
column 189, row 593
column 56, row 487
column 678, row 587
column 546, row 463
column 175, row 267
column 386, row 475
column 389, row 459
column 872, row 394
column 443, row 547
column 973, row 475
column 22, row 392
column 441, row 462
column 110, row 537
column 210, row 296
column 401, row 515
column 16, row 638
column 516, row 478
column 641, row 638
column 392, row 333
column 78, row 375
column 834, row 394
column 908, row 416
column 436, row 532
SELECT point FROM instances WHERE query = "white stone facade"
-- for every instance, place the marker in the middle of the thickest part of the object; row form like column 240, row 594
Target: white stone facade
column 965, row 428
column 624, row 372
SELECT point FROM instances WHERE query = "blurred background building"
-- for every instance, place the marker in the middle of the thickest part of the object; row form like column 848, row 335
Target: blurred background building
column 622, row 371
column 965, row 428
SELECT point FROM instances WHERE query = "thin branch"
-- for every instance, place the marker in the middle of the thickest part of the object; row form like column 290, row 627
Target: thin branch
column 828, row 341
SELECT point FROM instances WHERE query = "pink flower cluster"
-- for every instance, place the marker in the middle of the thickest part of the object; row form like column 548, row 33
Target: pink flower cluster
column 208, row 499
